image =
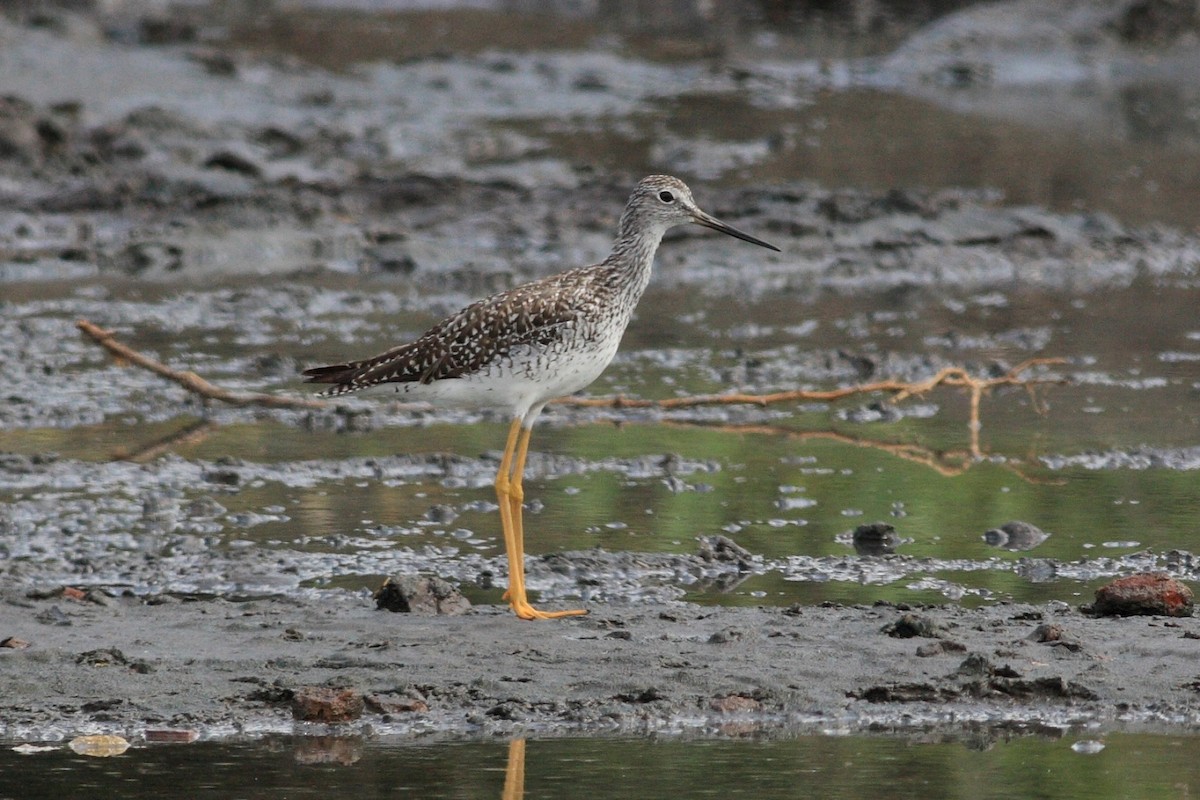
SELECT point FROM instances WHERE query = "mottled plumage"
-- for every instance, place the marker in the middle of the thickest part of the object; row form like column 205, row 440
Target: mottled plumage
column 518, row 349
column 518, row 333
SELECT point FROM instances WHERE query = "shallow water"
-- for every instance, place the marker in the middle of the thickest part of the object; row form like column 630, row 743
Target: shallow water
column 1126, row 766
column 1107, row 468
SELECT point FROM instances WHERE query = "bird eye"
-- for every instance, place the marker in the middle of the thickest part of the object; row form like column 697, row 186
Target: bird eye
column 666, row 196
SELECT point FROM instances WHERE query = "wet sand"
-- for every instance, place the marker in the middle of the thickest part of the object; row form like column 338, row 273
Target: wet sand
column 225, row 668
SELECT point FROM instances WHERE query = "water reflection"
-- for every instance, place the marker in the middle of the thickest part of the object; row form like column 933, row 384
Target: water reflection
column 988, row 763
column 1015, row 535
column 514, row 772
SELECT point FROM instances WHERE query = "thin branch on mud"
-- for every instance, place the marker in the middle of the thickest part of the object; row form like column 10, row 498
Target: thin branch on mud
column 190, row 380
column 949, row 376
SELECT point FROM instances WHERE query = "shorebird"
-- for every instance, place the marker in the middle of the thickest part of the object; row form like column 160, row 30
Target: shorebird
column 517, row 350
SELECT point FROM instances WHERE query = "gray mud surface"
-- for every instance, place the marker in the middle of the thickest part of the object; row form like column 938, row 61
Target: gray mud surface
column 242, row 210
column 223, row 667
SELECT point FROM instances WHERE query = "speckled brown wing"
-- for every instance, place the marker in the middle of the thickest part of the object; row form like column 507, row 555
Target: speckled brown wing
column 466, row 342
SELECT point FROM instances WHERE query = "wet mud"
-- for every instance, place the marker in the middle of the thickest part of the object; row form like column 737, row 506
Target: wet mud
column 225, row 200
column 223, row 667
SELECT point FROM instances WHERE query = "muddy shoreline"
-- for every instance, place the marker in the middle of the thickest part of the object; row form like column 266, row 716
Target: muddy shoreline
column 230, row 668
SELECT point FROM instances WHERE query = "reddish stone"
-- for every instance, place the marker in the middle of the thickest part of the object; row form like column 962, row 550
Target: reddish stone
column 322, row 704
column 734, row 704
column 1144, row 594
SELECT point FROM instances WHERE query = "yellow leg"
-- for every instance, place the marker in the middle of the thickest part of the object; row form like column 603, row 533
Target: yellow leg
column 511, row 495
column 517, row 497
column 503, row 490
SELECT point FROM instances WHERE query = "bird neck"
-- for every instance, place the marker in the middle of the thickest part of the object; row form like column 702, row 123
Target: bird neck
column 633, row 251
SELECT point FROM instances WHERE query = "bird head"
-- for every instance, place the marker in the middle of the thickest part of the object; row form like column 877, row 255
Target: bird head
column 665, row 201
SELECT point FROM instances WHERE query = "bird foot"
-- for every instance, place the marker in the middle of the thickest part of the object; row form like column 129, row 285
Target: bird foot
column 526, row 611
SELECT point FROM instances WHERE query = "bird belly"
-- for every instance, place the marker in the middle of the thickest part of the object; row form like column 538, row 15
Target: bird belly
column 521, row 379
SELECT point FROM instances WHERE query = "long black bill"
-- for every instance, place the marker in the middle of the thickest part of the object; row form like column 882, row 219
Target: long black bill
column 700, row 218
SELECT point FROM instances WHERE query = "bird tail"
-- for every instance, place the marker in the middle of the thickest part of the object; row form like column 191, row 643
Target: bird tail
column 340, row 375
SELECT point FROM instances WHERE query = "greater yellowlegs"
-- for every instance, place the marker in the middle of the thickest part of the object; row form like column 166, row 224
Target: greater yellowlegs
column 519, row 349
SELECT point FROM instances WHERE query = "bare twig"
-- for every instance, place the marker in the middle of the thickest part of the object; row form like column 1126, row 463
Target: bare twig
column 949, row 376
column 190, row 380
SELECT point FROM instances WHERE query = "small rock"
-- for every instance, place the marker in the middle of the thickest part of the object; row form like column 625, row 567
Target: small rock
column 97, row 597
column 726, row 636
column 724, row 550
column 903, row 693
column 734, row 704
column 976, row 665
column 648, row 695
column 911, row 625
column 112, row 657
column 93, row 706
column 52, row 616
column 225, row 477
column 233, row 161
column 322, row 704
column 441, row 514
column 417, row 595
column 509, row 710
column 875, row 539
column 383, row 704
column 939, row 648
column 1143, row 594
column 1047, row 633
column 273, row 694
column 13, row 643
